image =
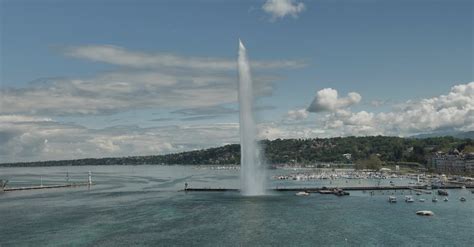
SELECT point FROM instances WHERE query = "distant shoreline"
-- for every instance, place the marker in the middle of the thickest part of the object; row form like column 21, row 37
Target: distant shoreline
column 343, row 151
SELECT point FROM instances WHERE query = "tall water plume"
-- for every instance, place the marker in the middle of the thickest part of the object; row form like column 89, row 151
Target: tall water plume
column 252, row 170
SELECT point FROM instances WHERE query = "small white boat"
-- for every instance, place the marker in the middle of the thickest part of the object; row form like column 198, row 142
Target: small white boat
column 445, row 199
column 421, row 199
column 392, row 199
column 302, row 193
column 409, row 199
column 425, row 213
column 462, row 199
column 434, row 199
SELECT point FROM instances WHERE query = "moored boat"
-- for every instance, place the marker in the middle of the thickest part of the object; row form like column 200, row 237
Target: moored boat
column 425, row 213
column 302, row 193
column 443, row 192
column 392, row 199
column 409, row 199
column 340, row 192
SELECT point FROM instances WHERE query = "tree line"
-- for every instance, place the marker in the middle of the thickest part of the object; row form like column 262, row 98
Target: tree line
column 293, row 151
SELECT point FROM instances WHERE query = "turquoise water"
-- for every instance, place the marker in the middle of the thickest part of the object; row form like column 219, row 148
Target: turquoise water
column 141, row 205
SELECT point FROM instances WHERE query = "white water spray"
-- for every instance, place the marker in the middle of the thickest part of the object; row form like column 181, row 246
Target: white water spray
column 252, row 170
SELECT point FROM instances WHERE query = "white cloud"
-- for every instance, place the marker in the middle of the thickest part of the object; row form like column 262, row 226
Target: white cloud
column 120, row 56
column 12, row 119
column 25, row 139
column 273, row 130
column 122, row 91
column 146, row 81
column 156, row 81
column 297, row 114
column 35, row 139
column 327, row 99
column 453, row 111
column 281, row 8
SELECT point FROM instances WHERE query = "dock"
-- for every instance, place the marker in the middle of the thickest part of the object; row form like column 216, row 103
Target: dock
column 323, row 190
column 4, row 188
column 39, row 187
column 423, row 191
column 210, row 189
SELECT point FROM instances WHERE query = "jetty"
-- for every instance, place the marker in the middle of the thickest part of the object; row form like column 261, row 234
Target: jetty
column 423, row 191
column 39, row 187
column 210, row 189
column 325, row 190
column 4, row 188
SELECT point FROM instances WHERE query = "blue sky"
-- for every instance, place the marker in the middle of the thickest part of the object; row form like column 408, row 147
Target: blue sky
column 396, row 55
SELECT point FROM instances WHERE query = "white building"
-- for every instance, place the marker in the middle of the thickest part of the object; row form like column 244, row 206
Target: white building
column 454, row 162
column 347, row 156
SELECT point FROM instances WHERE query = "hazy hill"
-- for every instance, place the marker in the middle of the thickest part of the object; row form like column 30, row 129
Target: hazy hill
column 456, row 134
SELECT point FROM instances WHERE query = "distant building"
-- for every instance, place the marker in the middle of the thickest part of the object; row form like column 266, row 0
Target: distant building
column 453, row 162
column 347, row 156
column 384, row 169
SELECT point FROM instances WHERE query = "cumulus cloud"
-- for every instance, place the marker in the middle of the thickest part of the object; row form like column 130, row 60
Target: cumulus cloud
column 452, row 111
column 297, row 114
column 120, row 56
column 280, row 8
column 24, row 138
column 327, row 99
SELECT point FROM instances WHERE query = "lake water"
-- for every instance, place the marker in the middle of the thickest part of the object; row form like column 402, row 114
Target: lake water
column 141, row 205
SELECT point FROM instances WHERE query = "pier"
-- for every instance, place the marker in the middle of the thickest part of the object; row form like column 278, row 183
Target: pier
column 422, row 189
column 210, row 189
column 3, row 184
column 45, row 187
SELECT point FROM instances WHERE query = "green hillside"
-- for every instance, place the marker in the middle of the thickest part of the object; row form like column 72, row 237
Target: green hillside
column 289, row 151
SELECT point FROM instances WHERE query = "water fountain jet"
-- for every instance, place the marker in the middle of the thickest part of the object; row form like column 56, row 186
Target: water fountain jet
column 252, row 170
